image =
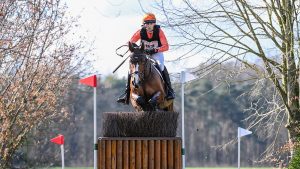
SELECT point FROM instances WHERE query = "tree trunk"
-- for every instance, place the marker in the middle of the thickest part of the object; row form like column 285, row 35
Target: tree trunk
column 293, row 133
column 292, row 77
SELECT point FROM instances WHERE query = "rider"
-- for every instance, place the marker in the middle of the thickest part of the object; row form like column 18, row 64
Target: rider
column 154, row 39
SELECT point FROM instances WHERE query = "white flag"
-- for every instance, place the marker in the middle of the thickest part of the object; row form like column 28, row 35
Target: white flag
column 186, row 77
column 243, row 132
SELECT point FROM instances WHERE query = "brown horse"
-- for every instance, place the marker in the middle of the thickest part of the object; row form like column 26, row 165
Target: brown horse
column 147, row 89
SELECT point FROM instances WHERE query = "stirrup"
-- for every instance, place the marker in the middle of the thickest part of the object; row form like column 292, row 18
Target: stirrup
column 123, row 99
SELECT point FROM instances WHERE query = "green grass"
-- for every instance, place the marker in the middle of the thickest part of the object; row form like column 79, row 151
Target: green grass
column 186, row 168
column 226, row 168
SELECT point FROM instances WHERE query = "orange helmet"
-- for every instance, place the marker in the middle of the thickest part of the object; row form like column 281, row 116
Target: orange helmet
column 149, row 18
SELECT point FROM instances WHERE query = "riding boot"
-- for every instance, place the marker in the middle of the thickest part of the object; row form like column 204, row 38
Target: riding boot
column 170, row 91
column 124, row 98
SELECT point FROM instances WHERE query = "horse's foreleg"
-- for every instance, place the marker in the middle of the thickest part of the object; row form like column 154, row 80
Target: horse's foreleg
column 153, row 100
column 139, row 100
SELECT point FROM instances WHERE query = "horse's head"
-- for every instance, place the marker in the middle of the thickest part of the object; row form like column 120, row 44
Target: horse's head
column 137, row 61
column 137, row 53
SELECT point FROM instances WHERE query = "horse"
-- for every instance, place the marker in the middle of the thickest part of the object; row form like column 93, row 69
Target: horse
column 147, row 88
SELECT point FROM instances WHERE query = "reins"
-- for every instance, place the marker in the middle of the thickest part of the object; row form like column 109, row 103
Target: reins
column 122, row 55
column 146, row 75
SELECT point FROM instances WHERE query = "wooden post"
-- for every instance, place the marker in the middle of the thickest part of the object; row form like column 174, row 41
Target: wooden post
column 157, row 154
column 138, row 154
column 164, row 154
column 132, row 154
column 151, row 154
column 126, row 154
column 119, row 154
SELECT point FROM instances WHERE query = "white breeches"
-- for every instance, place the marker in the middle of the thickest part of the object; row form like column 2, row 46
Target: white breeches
column 159, row 57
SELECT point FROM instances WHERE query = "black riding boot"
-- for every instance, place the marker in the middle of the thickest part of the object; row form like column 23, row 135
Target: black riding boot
column 170, row 93
column 124, row 98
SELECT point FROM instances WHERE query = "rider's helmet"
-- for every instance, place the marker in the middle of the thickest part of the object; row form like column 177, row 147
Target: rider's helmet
column 149, row 18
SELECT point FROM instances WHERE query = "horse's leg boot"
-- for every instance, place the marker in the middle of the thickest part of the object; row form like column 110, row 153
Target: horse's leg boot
column 153, row 100
column 170, row 91
column 124, row 98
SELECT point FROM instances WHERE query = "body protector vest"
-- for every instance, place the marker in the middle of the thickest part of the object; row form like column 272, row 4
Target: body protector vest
column 153, row 42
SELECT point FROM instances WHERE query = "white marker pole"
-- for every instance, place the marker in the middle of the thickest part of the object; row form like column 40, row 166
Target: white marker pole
column 241, row 132
column 62, row 156
column 239, row 149
column 95, row 128
column 182, row 79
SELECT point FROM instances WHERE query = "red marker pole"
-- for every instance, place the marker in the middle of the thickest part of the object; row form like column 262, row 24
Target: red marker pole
column 60, row 141
column 92, row 81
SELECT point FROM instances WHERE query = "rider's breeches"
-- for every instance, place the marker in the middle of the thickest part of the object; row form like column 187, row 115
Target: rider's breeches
column 159, row 57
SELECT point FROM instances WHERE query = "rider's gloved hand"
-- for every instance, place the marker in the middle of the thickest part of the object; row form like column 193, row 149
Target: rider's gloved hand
column 151, row 51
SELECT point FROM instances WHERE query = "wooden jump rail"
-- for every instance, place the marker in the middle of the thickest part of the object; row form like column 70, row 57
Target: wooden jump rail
column 139, row 153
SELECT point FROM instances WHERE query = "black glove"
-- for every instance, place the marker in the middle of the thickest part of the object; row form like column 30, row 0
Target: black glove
column 151, row 51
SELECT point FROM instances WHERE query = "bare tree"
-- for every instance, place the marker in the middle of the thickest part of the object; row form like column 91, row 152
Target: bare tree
column 261, row 36
column 37, row 62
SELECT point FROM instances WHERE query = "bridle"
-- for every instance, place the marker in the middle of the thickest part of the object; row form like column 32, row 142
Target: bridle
column 140, row 77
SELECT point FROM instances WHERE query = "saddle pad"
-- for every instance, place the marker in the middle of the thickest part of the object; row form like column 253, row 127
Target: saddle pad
column 160, row 75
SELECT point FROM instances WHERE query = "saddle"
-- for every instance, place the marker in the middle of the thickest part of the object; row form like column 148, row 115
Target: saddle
column 157, row 68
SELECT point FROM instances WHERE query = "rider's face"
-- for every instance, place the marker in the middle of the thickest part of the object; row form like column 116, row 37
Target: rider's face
column 149, row 26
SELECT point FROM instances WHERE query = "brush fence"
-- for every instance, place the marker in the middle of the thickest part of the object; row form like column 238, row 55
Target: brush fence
column 139, row 153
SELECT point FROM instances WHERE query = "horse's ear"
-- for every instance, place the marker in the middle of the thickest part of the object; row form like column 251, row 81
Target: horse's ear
column 130, row 47
column 142, row 47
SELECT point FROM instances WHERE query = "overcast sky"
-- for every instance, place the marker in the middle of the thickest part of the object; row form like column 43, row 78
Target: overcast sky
column 111, row 23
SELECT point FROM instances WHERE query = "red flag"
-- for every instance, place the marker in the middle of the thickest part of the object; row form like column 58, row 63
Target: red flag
column 90, row 81
column 58, row 140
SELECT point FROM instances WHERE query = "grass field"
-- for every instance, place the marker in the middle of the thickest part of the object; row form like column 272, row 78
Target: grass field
column 186, row 168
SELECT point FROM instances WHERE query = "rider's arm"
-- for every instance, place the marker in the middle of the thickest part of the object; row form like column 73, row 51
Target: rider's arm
column 136, row 37
column 164, row 42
